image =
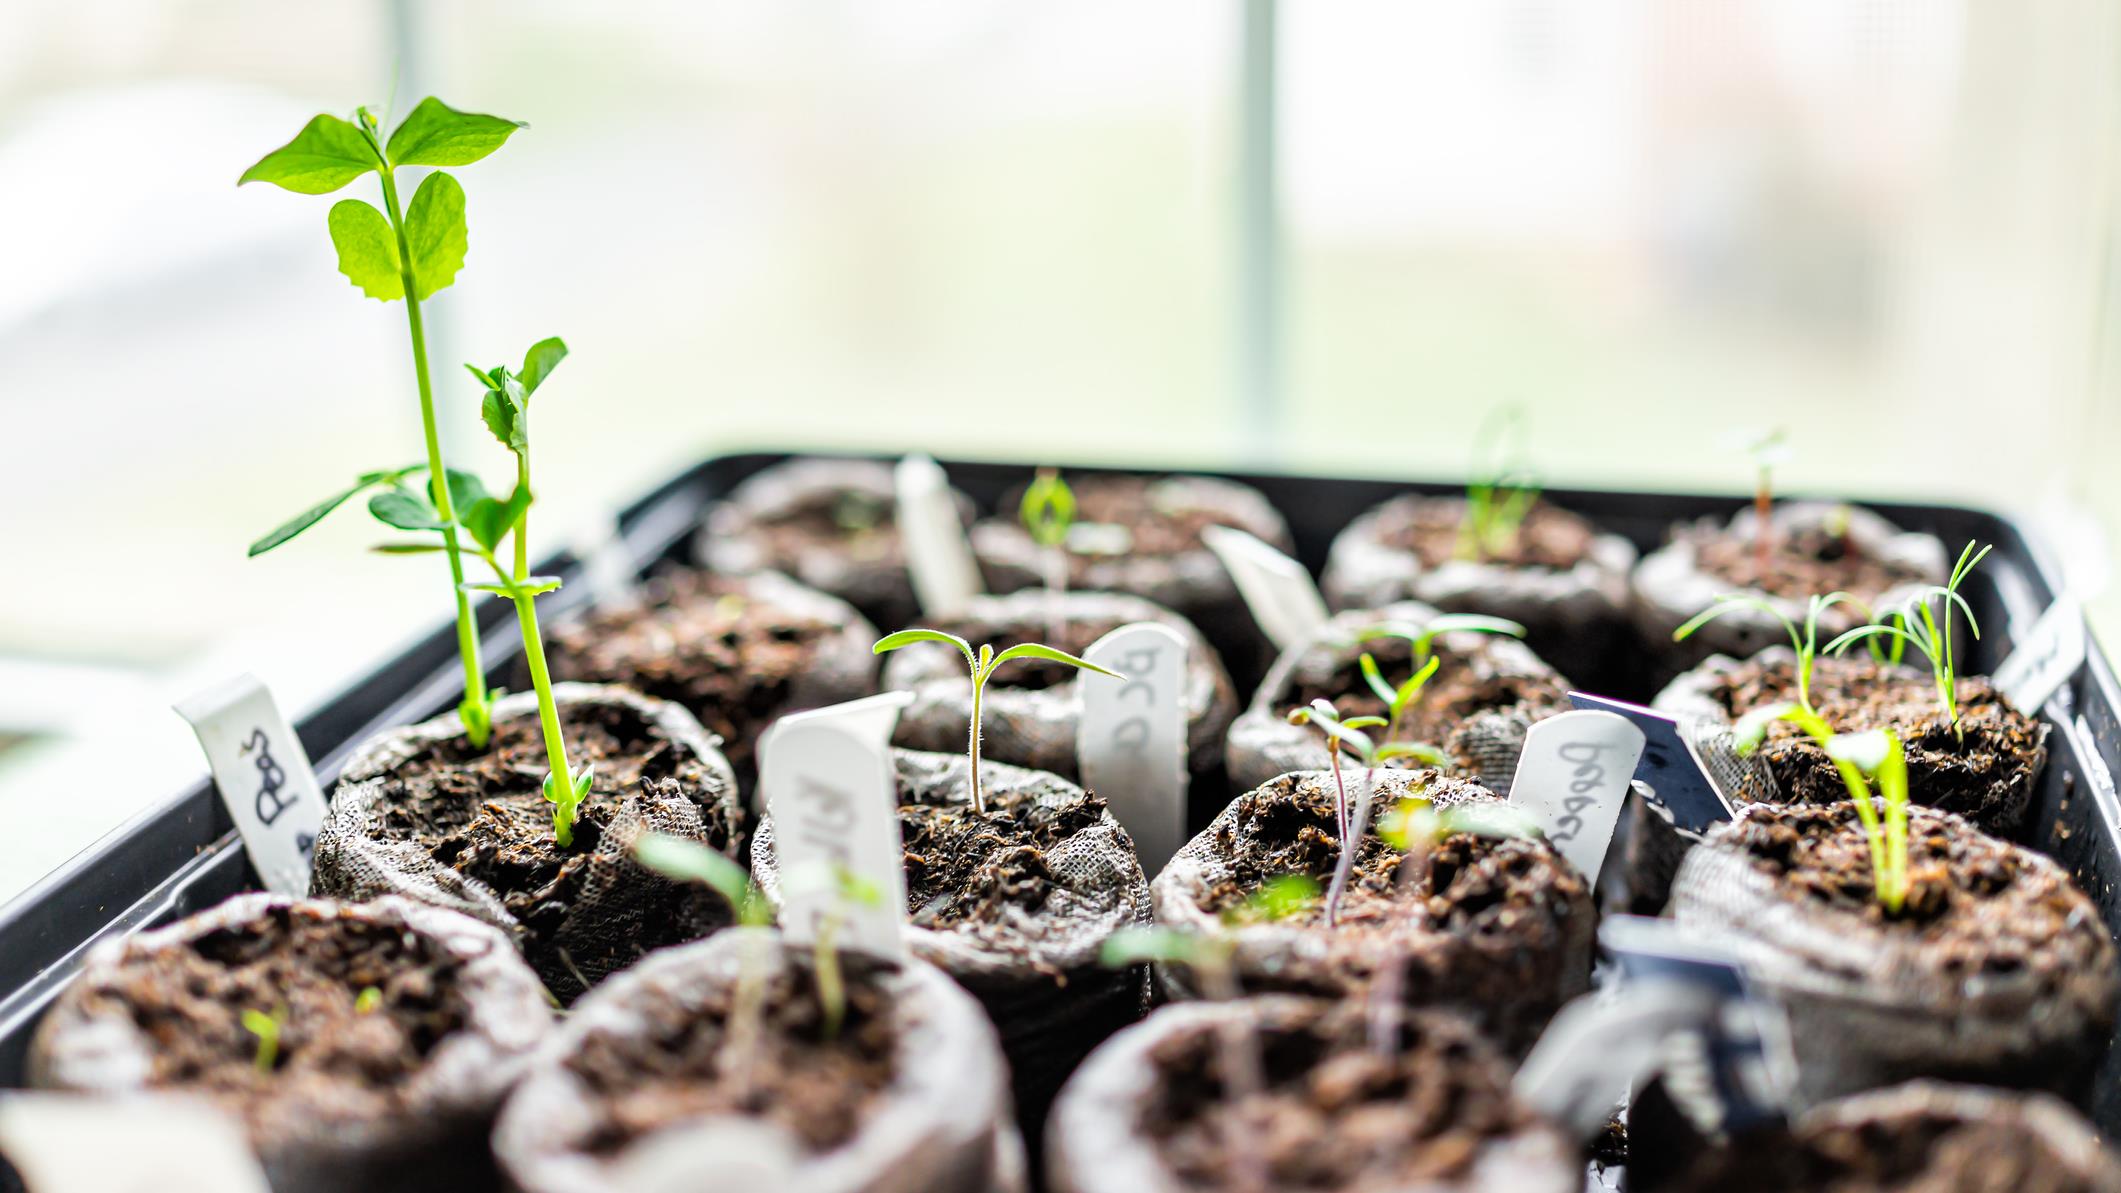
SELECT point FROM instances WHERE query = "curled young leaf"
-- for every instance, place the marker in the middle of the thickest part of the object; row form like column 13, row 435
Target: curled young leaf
column 327, row 154
column 435, row 232
column 538, row 363
column 435, row 134
column 368, row 250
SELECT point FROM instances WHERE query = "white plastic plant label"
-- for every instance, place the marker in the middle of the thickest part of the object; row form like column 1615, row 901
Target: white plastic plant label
column 945, row 575
column 833, row 795
column 264, row 777
column 1283, row 598
column 1131, row 742
column 64, row 1143
column 2045, row 658
column 1572, row 777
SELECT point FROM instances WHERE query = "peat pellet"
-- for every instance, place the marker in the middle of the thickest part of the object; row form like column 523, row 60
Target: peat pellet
column 420, row 812
column 736, row 651
column 1152, row 1110
column 1015, row 906
column 400, row 1029
column 1814, row 548
column 1996, row 970
column 1560, row 577
column 1032, row 709
column 1142, row 535
column 658, row 1081
column 830, row 524
column 1500, row 928
column 1918, row 1135
column 1486, row 693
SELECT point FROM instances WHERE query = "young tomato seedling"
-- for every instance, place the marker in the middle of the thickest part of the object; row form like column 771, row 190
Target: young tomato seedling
column 399, row 253
column 1861, row 758
column 1047, row 511
column 1500, row 495
column 1402, row 698
column 1805, row 641
column 266, row 1028
column 983, row 664
column 1353, row 816
column 1924, row 621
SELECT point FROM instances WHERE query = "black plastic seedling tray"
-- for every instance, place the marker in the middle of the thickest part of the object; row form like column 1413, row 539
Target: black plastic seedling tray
column 183, row 855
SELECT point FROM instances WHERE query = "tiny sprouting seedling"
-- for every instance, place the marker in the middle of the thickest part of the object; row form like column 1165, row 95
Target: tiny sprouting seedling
column 1924, row 621
column 1047, row 512
column 1352, row 817
column 690, row 861
column 825, row 957
column 410, row 254
column 368, row 1001
column 266, row 1027
column 1861, row 758
column 1281, row 897
column 1804, row 641
column 983, row 665
column 1401, row 698
column 1502, row 492
column 1767, row 448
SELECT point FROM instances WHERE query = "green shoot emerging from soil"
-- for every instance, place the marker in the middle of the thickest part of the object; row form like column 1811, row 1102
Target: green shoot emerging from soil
column 369, row 1001
column 1768, row 449
column 1924, row 621
column 1502, row 492
column 983, row 664
column 831, row 984
column 1047, row 511
column 266, row 1028
column 690, row 861
column 1862, row 758
column 406, row 253
column 1402, row 698
column 1352, row 817
column 1804, row 641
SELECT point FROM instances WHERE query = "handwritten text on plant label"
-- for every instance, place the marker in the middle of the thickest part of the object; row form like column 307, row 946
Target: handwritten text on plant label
column 264, row 778
column 1131, row 743
column 1572, row 777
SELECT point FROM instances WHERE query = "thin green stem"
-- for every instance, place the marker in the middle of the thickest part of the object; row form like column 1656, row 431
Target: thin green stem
column 562, row 776
column 979, row 797
column 476, row 727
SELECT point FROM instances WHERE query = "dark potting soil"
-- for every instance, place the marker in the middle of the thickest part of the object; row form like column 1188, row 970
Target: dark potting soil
column 1467, row 884
column 697, row 640
column 1433, row 530
column 1077, row 634
column 1969, row 899
column 860, row 524
column 1156, row 524
column 963, row 866
column 1335, row 1114
column 1982, row 769
column 1463, row 685
column 677, row 1064
column 484, row 812
column 1907, row 1153
column 335, row 1063
column 1812, row 559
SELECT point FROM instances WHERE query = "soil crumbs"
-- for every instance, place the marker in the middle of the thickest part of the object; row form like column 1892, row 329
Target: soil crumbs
column 1909, row 1153
column 1800, row 564
column 1433, row 529
column 964, row 867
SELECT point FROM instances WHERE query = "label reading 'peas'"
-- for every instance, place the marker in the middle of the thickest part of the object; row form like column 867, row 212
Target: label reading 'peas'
column 264, row 778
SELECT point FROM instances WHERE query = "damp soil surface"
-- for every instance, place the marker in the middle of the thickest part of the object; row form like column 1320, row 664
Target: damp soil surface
column 1799, row 563
column 1464, row 684
column 1982, row 769
column 682, row 1063
column 966, row 867
column 1433, row 530
column 1334, row 1114
column 484, row 814
column 697, row 640
column 1902, row 1153
column 857, row 523
column 336, row 1060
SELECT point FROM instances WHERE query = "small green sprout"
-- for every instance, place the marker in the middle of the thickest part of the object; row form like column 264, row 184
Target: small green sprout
column 408, row 254
column 831, row 982
column 1400, row 699
column 1804, row 641
column 1047, row 512
column 1768, row 449
column 1861, row 758
column 369, row 1001
column 267, row 1028
column 1501, row 494
column 1282, row 897
column 1347, row 735
column 689, row 861
column 1917, row 622
column 983, row 664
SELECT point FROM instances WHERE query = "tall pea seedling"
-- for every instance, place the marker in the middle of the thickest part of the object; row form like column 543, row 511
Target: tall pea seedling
column 403, row 253
column 1047, row 511
column 983, row 664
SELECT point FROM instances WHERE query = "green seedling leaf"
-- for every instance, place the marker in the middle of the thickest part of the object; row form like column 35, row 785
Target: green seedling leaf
column 538, row 363
column 404, row 510
column 905, row 638
column 489, row 519
column 435, row 232
column 1034, row 650
column 369, row 1001
column 690, row 861
column 1322, row 714
column 1048, row 509
column 1135, row 946
column 267, row 1029
column 1752, row 728
column 1375, row 677
column 503, row 413
column 327, row 154
column 368, row 250
column 1865, row 751
column 465, row 489
column 1278, row 898
column 529, row 586
column 1408, row 823
column 314, row 514
column 435, row 134
column 408, row 548
column 1421, row 752
column 1450, row 622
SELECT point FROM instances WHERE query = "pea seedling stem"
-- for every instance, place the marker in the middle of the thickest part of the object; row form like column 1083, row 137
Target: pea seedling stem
column 982, row 664
column 402, row 252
